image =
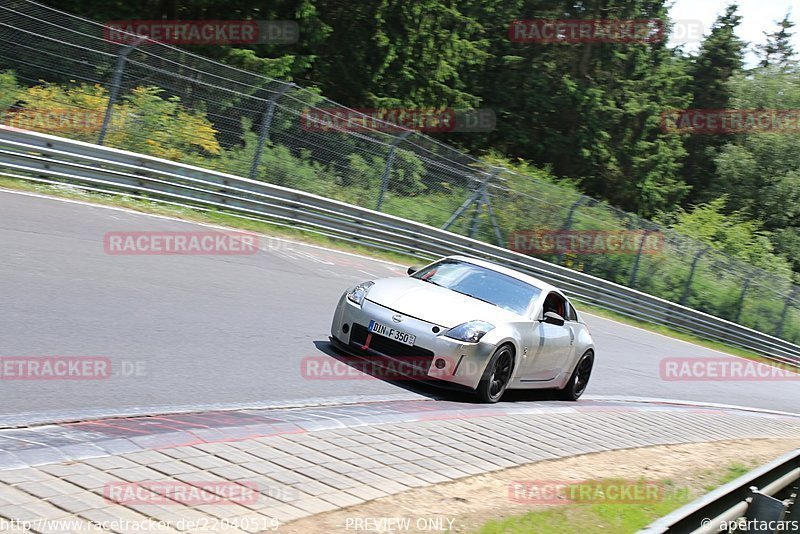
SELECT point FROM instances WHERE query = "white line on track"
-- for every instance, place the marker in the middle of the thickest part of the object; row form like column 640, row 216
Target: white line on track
column 205, row 225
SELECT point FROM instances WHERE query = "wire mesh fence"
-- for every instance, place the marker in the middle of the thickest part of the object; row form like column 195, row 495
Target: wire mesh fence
column 62, row 75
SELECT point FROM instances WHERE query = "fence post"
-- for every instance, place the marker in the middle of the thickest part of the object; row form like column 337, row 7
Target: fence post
column 575, row 205
column 473, row 225
column 463, row 207
column 487, row 200
column 116, row 81
column 479, row 197
column 688, row 285
column 482, row 199
column 266, row 123
column 635, row 270
column 388, row 169
column 740, row 304
column 568, row 223
column 785, row 312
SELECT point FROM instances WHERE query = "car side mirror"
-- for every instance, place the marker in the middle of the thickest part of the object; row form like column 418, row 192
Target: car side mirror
column 553, row 318
column 413, row 269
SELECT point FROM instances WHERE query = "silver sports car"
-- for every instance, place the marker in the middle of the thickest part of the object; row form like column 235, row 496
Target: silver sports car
column 471, row 323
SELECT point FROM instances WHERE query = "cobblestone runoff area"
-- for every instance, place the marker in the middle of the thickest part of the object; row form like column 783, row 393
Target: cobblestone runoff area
column 254, row 470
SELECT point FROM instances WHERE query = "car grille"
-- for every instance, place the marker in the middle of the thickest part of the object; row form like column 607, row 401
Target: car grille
column 389, row 347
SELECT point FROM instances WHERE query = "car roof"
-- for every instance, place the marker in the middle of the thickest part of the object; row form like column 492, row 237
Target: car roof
column 541, row 284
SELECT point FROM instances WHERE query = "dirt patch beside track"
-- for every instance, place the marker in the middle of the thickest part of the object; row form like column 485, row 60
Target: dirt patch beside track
column 464, row 505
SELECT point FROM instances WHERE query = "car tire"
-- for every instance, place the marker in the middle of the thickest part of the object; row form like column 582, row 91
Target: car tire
column 579, row 378
column 497, row 375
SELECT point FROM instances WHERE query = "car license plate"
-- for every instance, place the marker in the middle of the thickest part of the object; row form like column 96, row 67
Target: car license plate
column 383, row 330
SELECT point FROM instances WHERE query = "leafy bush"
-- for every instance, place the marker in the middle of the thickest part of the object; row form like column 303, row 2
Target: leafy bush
column 9, row 90
column 141, row 121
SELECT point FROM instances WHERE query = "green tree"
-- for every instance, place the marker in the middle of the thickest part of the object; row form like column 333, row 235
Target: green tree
column 398, row 53
column 761, row 171
column 591, row 110
column 778, row 49
column 735, row 234
column 277, row 60
column 720, row 58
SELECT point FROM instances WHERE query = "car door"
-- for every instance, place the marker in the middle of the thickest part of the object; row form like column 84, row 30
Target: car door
column 552, row 346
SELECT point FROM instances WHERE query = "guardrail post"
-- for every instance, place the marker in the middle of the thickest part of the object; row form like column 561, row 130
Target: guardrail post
column 794, row 509
column 636, row 262
column 388, row 169
column 266, row 123
column 116, row 81
column 785, row 312
column 765, row 509
column 739, row 499
column 688, row 286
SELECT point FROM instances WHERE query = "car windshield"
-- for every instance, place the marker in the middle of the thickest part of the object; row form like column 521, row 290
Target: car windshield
column 481, row 283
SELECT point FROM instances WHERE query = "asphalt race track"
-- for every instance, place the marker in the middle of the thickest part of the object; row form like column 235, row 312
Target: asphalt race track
column 191, row 331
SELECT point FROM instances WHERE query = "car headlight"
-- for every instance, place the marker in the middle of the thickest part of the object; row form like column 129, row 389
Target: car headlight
column 358, row 293
column 471, row 332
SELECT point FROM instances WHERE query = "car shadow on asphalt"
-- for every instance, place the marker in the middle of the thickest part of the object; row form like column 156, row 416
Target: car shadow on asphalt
column 384, row 370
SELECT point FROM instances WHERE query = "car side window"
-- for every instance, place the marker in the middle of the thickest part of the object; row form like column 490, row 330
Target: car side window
column 572, row 315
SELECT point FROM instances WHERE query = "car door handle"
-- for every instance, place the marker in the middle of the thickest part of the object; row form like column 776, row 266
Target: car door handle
column 571, row 336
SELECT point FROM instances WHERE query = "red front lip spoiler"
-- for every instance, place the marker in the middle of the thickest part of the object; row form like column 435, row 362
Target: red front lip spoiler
column 365, row 346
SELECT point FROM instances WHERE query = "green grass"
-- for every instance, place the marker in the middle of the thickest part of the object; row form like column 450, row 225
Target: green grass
column 733, row 472
column 224, row 219
column 604, row 517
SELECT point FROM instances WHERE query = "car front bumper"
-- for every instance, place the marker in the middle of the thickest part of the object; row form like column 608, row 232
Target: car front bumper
column 434, row 356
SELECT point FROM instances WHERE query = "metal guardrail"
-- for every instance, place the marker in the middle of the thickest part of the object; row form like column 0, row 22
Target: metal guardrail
column 751, row 497
column 54, row 160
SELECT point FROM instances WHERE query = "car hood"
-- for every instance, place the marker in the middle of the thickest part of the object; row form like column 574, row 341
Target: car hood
column 434, row 304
